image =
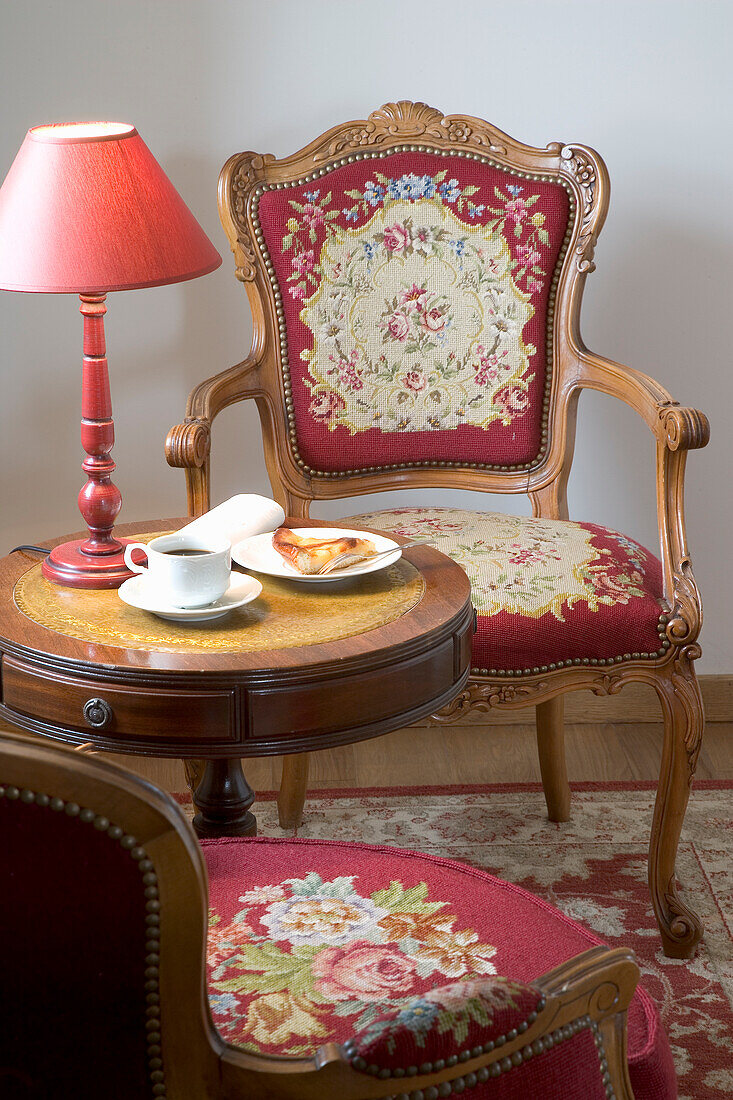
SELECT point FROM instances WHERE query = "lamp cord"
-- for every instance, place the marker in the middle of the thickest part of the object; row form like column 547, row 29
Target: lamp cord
column 32, row 549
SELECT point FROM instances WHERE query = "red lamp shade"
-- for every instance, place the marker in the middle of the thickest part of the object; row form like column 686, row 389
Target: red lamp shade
column 86, row 208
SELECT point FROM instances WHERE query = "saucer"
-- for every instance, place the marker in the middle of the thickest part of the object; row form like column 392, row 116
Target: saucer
column 258, row 553
column 138, row 592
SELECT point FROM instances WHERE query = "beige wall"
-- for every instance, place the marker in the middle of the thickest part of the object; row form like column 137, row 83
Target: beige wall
column 646, row 83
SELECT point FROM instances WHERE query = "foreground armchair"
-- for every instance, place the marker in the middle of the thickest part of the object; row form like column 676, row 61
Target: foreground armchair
column 104, row 933
column 415, row 283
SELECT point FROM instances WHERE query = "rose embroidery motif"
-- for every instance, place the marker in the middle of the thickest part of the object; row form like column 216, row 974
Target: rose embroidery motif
column 415, row 380
column 363, row 970
column 415, row 318
column 326, row 405
column 311, row 950
column 512, row 402
column 421, row 288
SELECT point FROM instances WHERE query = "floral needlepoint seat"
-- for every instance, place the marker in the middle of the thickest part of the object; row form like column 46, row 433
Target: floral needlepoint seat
column 412, row 963
column 548, row 593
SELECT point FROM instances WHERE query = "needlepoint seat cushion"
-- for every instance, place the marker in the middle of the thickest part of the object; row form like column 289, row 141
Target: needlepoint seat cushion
column 402, row 958
column 547, row 592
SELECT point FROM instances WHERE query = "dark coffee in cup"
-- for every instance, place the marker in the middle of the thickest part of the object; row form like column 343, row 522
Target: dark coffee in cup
column 187, row 553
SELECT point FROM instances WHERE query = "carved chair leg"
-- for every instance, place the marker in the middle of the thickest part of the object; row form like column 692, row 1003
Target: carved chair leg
column 293, row 785
column 679, row 694
column 551, row 748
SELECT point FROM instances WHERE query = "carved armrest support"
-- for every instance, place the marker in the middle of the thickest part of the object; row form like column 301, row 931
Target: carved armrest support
column 188, row 444
column 684, row 429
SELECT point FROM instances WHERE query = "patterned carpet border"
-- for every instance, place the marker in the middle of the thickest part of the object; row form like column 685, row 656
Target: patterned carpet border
column 184, row 797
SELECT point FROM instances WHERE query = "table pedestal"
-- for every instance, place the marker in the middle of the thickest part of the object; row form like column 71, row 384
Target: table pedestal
column 222, row 798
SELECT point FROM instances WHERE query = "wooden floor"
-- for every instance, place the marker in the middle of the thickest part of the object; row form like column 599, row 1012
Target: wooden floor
column 473, row 752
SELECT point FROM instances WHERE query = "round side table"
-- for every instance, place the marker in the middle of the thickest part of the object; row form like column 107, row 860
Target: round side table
column 303, row 667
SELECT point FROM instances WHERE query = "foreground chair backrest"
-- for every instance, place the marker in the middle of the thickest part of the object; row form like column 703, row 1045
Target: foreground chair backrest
column 104, row 917
column 415, row 283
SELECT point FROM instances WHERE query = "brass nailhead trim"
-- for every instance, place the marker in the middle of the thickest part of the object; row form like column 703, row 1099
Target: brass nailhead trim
column 253, row 210
column 149, row 880
column 595, row 661
column 470, row 1080
column 350, row 1049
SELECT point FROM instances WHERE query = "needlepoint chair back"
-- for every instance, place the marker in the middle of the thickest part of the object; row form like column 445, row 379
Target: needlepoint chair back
column 409, row 299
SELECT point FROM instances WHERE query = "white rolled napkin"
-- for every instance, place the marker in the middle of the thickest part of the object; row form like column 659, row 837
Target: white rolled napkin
column 238, row 518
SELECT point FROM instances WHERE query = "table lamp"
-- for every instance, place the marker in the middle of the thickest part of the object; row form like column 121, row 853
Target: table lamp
column 86, row 209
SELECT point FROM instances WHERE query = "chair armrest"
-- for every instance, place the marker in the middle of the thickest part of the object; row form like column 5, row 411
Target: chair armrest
column 678, row 430
column 590, row 992
column 188, row 444
column 678, row 427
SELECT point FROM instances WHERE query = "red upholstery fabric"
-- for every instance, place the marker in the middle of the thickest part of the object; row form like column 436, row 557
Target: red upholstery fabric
column 447, row 1019
column 308, row 938
column 72, row 937
column 547, row 592
column 416, row 291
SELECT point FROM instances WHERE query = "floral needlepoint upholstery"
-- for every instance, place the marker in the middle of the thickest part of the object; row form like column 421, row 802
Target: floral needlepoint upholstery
column 547, row 592
column 441, row 1023
column 403, row 959
column 418, row 296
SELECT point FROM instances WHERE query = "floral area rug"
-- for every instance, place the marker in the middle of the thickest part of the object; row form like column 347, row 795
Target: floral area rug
column 593, row 868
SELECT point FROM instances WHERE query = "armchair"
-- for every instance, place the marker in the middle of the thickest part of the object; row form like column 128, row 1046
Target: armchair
column 105, row 926
column 415, row 282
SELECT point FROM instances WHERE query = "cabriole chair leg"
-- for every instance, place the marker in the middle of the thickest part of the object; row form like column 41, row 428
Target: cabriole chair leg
column 551, row 749
column 293, row 786
column 679, row 694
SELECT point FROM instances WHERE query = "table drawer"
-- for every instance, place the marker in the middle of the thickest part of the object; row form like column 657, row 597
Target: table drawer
column 108, row 710
column 340, row 704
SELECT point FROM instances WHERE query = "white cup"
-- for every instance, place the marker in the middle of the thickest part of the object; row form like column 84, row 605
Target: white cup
column 186, row 570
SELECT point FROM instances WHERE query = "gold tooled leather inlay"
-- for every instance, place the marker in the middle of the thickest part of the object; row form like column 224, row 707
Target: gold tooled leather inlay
column 285, row 615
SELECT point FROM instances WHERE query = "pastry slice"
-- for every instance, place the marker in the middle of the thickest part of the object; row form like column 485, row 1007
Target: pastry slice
column 309, row 555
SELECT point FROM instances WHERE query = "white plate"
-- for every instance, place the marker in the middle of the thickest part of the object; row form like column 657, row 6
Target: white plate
column 138, row 592
column 259, row 554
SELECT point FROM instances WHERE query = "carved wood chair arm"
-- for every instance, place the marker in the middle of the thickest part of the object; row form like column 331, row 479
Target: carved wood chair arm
column 678, row 430
column 678, row 427
column 187, row 444
column 592, row 990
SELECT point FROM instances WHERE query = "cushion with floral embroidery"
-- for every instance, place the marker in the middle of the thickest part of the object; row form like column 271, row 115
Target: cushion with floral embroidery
column 547, row 592
column 443, row 1023
column 314, row 942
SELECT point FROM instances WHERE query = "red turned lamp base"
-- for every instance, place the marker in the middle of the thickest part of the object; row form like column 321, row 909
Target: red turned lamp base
column 69, row 565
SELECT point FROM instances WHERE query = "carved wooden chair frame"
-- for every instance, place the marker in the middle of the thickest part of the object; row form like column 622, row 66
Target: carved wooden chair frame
column 417, row 127
column 187, row 1057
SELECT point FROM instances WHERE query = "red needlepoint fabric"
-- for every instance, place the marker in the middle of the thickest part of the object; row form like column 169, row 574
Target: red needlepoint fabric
column 418, row 294
column 438, row 1024
column 319, row 941
column 547, row 592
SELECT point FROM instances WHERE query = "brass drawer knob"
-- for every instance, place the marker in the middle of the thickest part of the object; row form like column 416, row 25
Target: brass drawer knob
column 97, row 713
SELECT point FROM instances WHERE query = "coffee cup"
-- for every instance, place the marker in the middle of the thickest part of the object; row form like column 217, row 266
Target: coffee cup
column 186, row 570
